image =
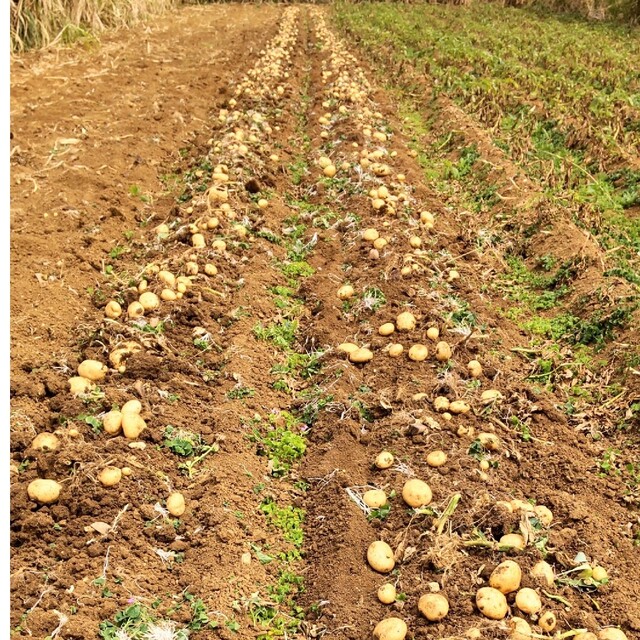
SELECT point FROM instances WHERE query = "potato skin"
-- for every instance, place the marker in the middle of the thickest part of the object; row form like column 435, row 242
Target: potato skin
column 433, row 606
column 390, row 629
column 416, row 493
column 491, row 603
column 506, row 577
column 380, row 557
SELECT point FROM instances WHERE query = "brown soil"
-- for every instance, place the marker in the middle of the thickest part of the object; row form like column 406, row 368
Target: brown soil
column 102, row 141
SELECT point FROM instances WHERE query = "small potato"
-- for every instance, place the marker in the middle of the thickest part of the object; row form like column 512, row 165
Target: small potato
column 489, row 441
column 491, row 603
column 45, row 441
column 113, row 310
column 135, row 310
column 415, row 242
column 514, row 540
column 361, row 355
column 543, row 571
column 612, row 633
column 380, row 243
column 436, row 458
column 519, row 629
column 168, row 295
column 380, row 557
column 506, row 577
column 219, row 245
column 384, row 460
column 599, row 573
column 548, row 621
column 386, row 329
column 92, row 370
column 176, row 505
column 416, row 493
column 406, row 321
column 395, row 350
column 110, row 476
column 474, row 368
column 210, row 269
column 167, row 278
column 79, row 385
column 441, row 404
column 347, row 347
column 390, row 629
column 528, row 600
column 132, row 406
column 345, row 292
column 387, row 593
column 374, row 498
column 132, row 425
column 329, row 171
column 544, row 514
column 418, row 353
column 112, row 422
column 149, row 301
column 433, row 606
column 490, row 396
column 433, row 333
column 198, row 241
column 44, row 491
column 443, row 351
column 370, row 235
column 459, row 407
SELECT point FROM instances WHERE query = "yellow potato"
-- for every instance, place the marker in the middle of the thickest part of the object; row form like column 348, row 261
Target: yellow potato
column 132, row 425
column 79, row 385
column 441, row 404
column 198, row 241
column 113, row 310
column 406, row 321
column 374, row 498
column 395, row 350
column 167, row 278
column 489, row 441
column 443, row 351
column 386, row 329
column 506, row 577
column 514, row 540
column 490, row 395
column 416, row 493
column 491, row 603
column 149, row 301
column 611, row 633
column 544, row 514
column 528, row 601
column 459, row 407
column 110, row 476
column 433, row 333
column 361, row 355
column 132, row 406
column 168, row 295
column 347, row 347
column 474, row 368
column 519, row 629
column 387, row 593
column 543, row 571
column 390, row 629
column 380, row 557
column 384, row 460
column 418, row 353
column 433, row 606
column 176, row 505
column 112, row 422
column 44, row 491
column 345, row 292
column 45, row 441
column 92, row 370
column 370, row 235
column 599, row 573
column 436, row 458
column 548, row 621
column 135, row 310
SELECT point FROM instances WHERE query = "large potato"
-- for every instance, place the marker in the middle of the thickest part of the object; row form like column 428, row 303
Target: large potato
column 543, row 571
column 491, row 603
column 380, row 557
column 519, row 629
column 374, row 498
column 44, row 491
column 416, row 493
column 612, row 633
column 390, row 629
column 433, row 606
column 528, row 600
column 506, row 577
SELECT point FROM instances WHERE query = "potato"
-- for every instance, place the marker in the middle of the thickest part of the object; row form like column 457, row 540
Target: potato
column 219, row 245
column 149, row 301
column 599, row 573
column 132, row 425
column 436, row 458
column 543, row 571
column 132, row 406
column 406, row 321
column 514, row 540
column 474, row 368
column 135, row 310
column 92, row 370
column 112, row 422
column 168, row 295
column 167, row 278
column 443, row 351
column 612, row 633
column 459, row 407
column 395, row 350
column 528, row 600
column 519, row 629
column 416, row 493
column 370, row 235
column 441, row 403
column 387, row 593
column 110, row 476
column 210, row 269
column 176, row 505
column 345, row 292
column 548, row 621
column 386, row 329
column 433, row 333
column 329, row 171
column 380, row 243
column 506, row 577
column 44, row 491
column 324, row 162
column 384, row 460
column 123, row 351
column 380, row 557
column 489, row 441
column 79, row 385
column 418, row 353
column 415, row 242
column 347, row 347
column 544, row 514
column 390, row 629
column 45, row 441
column 361, row 355
column 491, row 603
column 112, row 310
column 433, row 606
column 374, row 498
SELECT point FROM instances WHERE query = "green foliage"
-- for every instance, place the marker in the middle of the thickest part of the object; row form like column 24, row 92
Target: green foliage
column 287, row 519
column 283, row 442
